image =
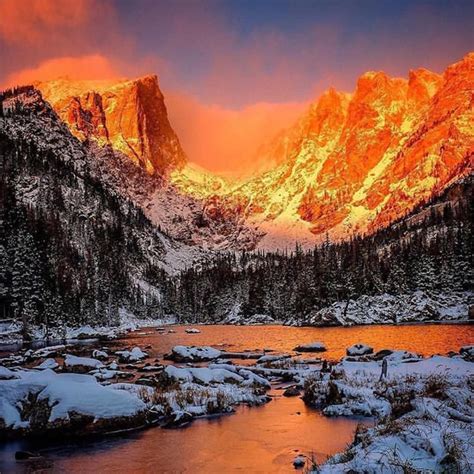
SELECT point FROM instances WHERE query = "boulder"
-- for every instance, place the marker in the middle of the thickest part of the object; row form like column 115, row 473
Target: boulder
column 81, row 365
column 299, row 461
column 359, row 350
column 292, row 391
column 193, row 354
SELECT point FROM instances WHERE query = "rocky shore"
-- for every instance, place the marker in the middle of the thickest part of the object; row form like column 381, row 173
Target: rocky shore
column 420, row 408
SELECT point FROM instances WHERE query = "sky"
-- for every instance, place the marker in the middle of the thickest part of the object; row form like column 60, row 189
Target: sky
column 233, row 72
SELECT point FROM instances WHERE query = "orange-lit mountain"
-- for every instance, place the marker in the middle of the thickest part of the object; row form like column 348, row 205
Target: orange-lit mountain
column 351, row 164
column 354, row 163
column 129, row 115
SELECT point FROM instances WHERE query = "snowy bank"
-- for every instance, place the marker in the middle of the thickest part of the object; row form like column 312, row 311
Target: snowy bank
column 391, row 309
column 37, row 402
column 423, row 412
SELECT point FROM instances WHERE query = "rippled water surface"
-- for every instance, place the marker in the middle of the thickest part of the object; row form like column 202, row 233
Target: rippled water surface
column 263, row 439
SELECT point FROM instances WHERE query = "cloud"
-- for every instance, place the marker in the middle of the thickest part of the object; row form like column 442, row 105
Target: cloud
column 232, row 73
column 76, row 68
column 224, row 140
column 35, row 21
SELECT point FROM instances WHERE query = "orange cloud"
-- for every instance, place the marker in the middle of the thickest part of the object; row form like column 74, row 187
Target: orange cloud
column 33, row 20
column 225, row 140
column 79, row 68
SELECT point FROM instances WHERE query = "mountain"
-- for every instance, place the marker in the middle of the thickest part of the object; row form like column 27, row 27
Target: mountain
column 352, row 164
column 356, row 162
column 125, row 122
column 420, row 268
column 129, row 115
column 73, row 248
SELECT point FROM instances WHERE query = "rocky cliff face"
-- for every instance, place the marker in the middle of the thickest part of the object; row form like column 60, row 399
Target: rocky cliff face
column 129, row 115
column 355, row 163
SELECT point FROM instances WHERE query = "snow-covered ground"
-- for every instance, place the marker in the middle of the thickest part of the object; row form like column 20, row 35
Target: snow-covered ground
column 10, row 332
column 419, row 306
column 421, row 407
column 423, row 412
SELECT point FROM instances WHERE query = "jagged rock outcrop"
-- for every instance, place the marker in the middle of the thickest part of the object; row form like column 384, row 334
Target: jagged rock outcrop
column 355, row 163
column 129, row 115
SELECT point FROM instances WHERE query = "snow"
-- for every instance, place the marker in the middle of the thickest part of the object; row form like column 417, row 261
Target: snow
column 422, row 407
column 194, row 353
column 73, row 361
column 83, row 332
column 311, row 347
column 272, row 358
column 64, row 394
column 234, row 317
column 192, row 331
column 98, row 354
column 202, row 374
column 47, row 364
column 419, row 306
column 359, row 349
column 7, row 374
column 134, row 355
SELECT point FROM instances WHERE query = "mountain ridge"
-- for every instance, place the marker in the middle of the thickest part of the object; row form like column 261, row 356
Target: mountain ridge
column 351, row 164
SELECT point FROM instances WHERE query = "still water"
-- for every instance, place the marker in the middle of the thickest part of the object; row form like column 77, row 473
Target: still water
column 262, row 439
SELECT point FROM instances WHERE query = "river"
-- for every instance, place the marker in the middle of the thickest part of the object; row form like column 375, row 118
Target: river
column 262, row 439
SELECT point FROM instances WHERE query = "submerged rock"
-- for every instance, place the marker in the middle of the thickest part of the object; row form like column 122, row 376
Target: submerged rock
column 311, row 347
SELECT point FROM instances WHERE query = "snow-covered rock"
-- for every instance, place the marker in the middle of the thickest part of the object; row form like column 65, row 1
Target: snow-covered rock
column 134, row 355
column 389, row 309
column 47, row 364
column 83, row 332
column 253, row 320
column 299, row 461
column 7, row 374
column 359, row 350
column 98, row 354
column 202, row 375
column 272, row 358
column 193, row 353
column 423, row 413
column 311, row 347
column 81, row 365
column 45, row 401
column 192, row 331
column 467, row 352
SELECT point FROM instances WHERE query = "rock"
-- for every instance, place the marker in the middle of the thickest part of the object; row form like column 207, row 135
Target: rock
column 192, row 331
column 272, row 358
column 47, row 364
column 81, row 365
column 311, row 347
column 292, row 391
column 359, row 349
column 134, row 355
column 97, row 354
column 471, row 313
column 299, row 461
column 382, row 354
column 467, row 352
column 253, row 320
column 193, row 354
column 84, row 332
column 178, row 419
